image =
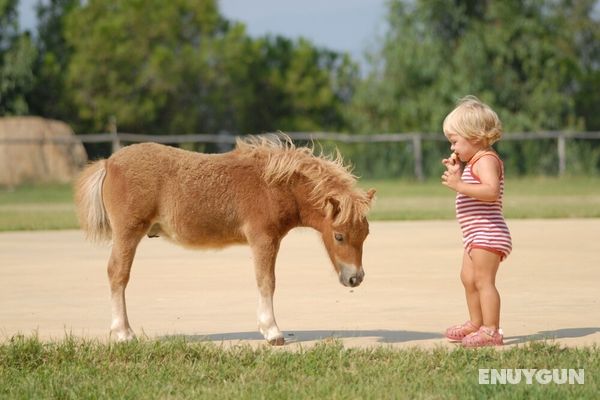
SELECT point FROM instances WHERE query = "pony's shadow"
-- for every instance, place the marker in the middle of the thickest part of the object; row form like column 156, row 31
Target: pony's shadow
column 550, row 335
column 381, row 336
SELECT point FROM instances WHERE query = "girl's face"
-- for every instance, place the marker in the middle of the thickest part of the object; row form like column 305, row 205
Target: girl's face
column 464, row 148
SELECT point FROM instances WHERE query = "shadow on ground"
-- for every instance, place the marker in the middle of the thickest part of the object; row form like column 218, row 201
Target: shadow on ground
column 549, row 335
column 381, row 336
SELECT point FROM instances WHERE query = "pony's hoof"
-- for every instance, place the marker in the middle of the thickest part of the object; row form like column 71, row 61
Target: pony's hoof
column 277, row 341
column 125, row 336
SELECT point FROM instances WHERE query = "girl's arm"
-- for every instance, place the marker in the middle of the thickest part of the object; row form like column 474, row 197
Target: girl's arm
column 488, row 170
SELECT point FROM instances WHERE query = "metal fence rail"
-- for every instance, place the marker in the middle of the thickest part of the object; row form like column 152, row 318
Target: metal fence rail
column 416, row 140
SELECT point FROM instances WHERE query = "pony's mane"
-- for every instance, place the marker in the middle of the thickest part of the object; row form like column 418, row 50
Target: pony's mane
column 327, row 176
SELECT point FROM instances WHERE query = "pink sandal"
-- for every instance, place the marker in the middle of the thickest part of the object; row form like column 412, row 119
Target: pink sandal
column 484, row 337
column 458, row 332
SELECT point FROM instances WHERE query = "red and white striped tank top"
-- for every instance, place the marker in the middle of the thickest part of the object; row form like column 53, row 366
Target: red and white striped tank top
column 482, row 222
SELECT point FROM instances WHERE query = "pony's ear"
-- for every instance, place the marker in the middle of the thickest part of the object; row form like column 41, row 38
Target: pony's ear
column 334, row 207
column 371, row 194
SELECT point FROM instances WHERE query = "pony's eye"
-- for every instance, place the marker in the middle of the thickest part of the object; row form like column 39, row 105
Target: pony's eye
column 339, row 237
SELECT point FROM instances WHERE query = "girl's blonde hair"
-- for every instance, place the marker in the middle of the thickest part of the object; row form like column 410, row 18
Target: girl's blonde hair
column 474, row 120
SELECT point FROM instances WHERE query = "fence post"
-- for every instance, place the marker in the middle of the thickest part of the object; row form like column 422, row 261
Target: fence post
column 223, row 145
column 112, row 127
column 418, row 156
column 562, row 154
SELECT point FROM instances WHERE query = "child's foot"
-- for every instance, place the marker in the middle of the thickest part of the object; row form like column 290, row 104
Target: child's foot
column 458, row 332
column 484, row 337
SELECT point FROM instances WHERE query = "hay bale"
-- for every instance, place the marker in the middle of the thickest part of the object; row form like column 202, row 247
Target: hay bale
column 39, row 159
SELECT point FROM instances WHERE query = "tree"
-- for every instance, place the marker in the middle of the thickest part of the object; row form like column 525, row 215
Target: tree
column 180, row 67
column 536, row 62
column 17, row 55
column 50, row 97
column 525, row 57
column 297, row 86
column 583, row 27
column 131, row 58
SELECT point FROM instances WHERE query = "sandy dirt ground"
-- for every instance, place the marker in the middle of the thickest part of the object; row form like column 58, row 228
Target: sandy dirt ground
column 53, row 283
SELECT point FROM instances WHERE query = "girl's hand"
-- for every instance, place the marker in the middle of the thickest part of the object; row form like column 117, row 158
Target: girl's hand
column 452, row 160
column 452, row 176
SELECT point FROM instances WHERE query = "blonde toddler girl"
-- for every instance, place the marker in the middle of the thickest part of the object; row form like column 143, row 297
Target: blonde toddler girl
column 474, row 170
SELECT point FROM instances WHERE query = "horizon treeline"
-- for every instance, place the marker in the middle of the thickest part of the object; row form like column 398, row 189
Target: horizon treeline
column 181, row 67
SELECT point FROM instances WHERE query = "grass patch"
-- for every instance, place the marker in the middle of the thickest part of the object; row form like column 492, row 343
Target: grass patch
column 37, row 194
column 37, row 207
column 531, row 197
column 51, row 206
column 37, row 218
column 77, row 368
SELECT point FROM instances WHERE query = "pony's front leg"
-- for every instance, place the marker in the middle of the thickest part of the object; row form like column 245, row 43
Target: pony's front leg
column 265, row 254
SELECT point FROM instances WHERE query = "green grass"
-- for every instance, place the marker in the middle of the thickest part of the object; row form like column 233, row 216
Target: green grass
column 535, row 197
column 176, row 368
column 37, row 207
column 37, row 194
column 51, row 207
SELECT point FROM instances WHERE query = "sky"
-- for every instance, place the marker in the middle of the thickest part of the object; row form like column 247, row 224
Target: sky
column 340, row 25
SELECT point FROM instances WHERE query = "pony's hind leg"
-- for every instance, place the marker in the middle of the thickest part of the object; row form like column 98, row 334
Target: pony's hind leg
column 119, row 267
column 265, row 253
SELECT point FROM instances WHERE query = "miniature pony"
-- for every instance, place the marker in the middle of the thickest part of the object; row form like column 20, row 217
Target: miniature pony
column 252, row 195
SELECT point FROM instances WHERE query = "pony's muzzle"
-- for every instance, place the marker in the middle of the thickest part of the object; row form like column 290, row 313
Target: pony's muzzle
column 351, row 276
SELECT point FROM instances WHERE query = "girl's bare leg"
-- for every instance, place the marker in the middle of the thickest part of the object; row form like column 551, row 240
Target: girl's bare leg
column 485, row 265
column 467, row 276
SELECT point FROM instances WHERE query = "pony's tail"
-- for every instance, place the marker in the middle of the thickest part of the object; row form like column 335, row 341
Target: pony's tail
column 91, row 212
